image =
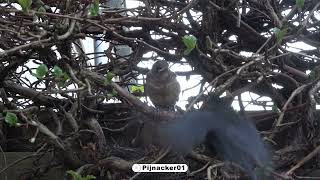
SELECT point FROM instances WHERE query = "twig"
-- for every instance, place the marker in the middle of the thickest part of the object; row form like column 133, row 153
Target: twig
column 5, row 162
column 211, row 83
column 284, row 108
column 186, row 8
column 24, row 158
column 167, row 150
column 304, row 160
column 209, row 176
column 199, row 170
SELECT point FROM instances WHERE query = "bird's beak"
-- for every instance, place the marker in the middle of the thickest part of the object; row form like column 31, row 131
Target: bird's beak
column 163, row 69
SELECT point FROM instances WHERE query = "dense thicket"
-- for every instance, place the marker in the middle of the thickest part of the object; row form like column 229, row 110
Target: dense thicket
column 241, row 46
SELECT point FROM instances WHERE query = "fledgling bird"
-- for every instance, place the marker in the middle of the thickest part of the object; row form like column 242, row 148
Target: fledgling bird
column 162, row 86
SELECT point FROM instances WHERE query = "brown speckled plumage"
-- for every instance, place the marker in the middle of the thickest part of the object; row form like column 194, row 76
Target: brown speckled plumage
column 162, row 86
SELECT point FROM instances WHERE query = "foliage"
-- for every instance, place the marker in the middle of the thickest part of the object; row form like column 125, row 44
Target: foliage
column 41, row 9
column 60, row 76
column 41, row 71
column 280, row 33
column 94, row 9
column 108, row 79
column 137, row 89
column 57, row 71
column 190, row 42
column 12, row 119
column 77, row 176
column 300, row 3
column 25, row 5
column 223, row 47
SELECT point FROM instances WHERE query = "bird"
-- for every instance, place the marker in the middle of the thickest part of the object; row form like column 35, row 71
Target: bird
column 231, row 135
column 162, row 86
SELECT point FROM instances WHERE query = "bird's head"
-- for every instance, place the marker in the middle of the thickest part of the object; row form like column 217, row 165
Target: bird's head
column 160, row 67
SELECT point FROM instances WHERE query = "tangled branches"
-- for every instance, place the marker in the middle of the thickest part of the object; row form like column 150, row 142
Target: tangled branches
column 241, row 46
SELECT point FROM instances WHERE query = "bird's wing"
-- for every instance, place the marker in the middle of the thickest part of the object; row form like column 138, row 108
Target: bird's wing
column 174, row 85
column 234, row 137
column 151, row 83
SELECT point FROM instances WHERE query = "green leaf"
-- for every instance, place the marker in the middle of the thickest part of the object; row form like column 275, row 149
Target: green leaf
column 190, row 42
column 74, row 175
column 94, row 9
column 12, row 119
column 25, row 5
column 41, row 71
column 77, row 176
column 65, row 78
column 275, row 109
column 57, row 71
column 89, row 177
column 41, row 9
column 108, row 79
column 137, row 89
column 300, row 3
column 279, row 33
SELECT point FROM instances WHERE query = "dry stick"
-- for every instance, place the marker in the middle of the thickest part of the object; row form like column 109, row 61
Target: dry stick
column 239, row 70
column 36, row 43
column 5, row 53
column 94, row 125
column 155, row 161
column 42, row 128
column 255, row 60
column 211, row 83
column 199, row 170
column 305, row 55
column 211, row 167
column 24, row 46
column 58, row 91
column 235, row 17
column 295, row 71
column 263, row 45
column 121, row 129
column 133, row 100
column 82, row 168
column 312, row 92
column 5, row 162
column 71, row 120
column 192, row 87
column 24, row 158
column 239, row 17
column 31, row 93
column 276, row 174
column 304, row 160
column 317, row 149
column 185, row 9
column 89, row 86
column 273, row 13
column 220, row 89
column 201, row 157
column 312, row 103
column 73, row 76
column 57, row 121
column 246, row 88
column 305, row 22
column 284, row 108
